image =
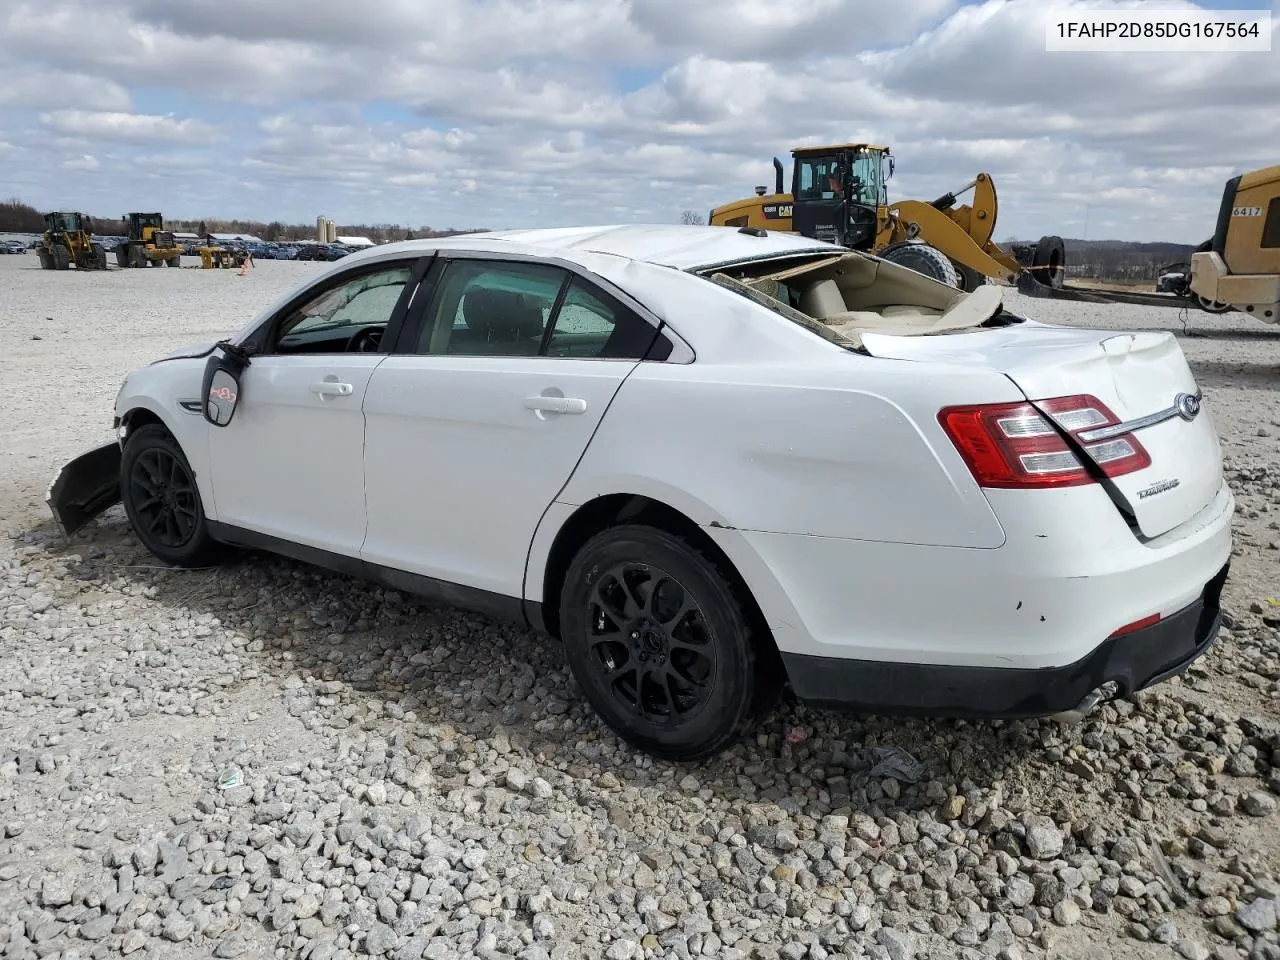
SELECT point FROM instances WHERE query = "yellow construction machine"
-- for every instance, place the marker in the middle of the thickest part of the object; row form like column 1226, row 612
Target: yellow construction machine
column 68, row 239
column 147, row 242
column 838, row 194
column 1239, row 267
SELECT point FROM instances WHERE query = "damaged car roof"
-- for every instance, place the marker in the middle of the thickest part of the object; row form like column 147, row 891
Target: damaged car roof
column 678, row 246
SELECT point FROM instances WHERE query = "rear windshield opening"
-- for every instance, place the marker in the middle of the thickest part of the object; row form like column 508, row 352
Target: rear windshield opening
column 842, row 296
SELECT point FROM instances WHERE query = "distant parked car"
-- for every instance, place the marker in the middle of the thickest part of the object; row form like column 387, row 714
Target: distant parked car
column 710, row 462
column 13, row 246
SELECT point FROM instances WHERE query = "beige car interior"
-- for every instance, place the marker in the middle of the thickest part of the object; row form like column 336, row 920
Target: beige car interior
column 853, row 294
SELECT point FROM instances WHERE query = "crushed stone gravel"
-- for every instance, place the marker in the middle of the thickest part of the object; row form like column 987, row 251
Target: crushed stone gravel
column 267, row 760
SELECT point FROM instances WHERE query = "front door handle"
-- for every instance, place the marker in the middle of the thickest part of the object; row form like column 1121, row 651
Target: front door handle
column 545, row 404
column 332, row 388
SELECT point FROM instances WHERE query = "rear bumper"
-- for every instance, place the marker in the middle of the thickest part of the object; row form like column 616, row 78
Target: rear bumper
column 1132, row 662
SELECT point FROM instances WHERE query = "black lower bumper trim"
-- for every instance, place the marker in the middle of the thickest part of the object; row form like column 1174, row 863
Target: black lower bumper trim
column 1133, row 662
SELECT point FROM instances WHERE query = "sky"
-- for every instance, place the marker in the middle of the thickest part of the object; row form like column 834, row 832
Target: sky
column 519, row 113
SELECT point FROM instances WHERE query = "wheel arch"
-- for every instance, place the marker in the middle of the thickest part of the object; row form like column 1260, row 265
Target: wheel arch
column 605, row 511
column 141, row 409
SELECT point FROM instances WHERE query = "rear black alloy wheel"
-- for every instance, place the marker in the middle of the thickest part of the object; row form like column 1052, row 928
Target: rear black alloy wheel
column 160, row 496
column 663, row 646
column 650, row 638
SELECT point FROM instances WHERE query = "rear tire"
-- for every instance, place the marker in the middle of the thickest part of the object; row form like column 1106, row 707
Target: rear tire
column 924, row 259
column 162, row 501
column 664, row 648
column 136, row 257
column 61, row 258
column 1050, row 262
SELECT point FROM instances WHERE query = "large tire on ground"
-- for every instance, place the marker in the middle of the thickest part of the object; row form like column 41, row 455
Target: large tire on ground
column 162, row 501
column 46, row 258
column 99, row 257
column 174, row 262
column 122, row 256
column 665, row 647
column 136, row 256
column 1049, row 265
column 61, row 258
column 969, row 278
column 922, row 258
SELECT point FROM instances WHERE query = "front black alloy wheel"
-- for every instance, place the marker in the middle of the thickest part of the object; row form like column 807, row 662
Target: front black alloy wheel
column 162, row 501
column 662, row 643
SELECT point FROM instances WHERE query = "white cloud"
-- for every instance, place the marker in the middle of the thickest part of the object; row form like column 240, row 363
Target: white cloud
column 130, row 127
column 41, row 89
column 503, row 112
column 84, row 162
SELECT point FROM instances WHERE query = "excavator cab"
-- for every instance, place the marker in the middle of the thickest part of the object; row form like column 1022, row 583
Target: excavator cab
column 839, row 194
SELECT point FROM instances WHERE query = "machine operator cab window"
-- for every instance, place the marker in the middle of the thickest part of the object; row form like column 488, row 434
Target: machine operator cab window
column 824, row 178
column 820, row 178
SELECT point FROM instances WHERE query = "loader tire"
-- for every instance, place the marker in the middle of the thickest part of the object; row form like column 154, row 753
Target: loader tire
column 46, row 258
column 136, row 257
column 174, row 261
column 99, row 257
column 924, row 259
column 61, row 259
column 122, row 256
column 970, row 279
column 1049, row 265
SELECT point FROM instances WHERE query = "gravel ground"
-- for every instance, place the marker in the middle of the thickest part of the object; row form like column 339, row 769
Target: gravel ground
column 265, row 760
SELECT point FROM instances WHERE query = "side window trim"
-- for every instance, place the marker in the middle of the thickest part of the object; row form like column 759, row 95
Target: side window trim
column 418, row 264
column 681, row 351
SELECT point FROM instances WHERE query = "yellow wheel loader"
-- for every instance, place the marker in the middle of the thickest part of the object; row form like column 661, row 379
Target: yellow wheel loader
column 1239, row 267
column 68, row 239
column 147, row 242
column 838, row 194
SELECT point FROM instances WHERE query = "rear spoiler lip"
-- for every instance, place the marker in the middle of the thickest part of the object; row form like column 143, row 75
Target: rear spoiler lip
column 85, row 487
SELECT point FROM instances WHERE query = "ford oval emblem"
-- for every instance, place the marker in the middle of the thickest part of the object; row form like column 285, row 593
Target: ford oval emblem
column 1187, row 405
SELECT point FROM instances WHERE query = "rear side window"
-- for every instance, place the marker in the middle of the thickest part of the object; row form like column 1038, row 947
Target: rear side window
column 592, row 324
column 491, row 309
column 514, row 309
column 1271, row 229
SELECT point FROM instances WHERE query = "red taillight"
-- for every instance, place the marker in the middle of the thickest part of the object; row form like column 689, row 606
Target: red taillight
column 1137, row 625
column 1012, row 445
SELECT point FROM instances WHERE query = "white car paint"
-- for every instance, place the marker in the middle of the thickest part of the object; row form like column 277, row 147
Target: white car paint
column 291, row 463
column 824, row 475
column 465, row 509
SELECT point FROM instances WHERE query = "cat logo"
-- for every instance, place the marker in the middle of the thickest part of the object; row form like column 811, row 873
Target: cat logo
column 777, row 211
column 1246, row 211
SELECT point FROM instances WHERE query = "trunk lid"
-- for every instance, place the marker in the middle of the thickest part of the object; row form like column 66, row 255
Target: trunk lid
column 1137, row 374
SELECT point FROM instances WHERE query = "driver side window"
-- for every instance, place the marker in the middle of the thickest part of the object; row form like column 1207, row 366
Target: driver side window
column 349, row 317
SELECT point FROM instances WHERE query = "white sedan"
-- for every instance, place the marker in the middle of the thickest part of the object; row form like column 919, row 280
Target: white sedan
column 711, row 462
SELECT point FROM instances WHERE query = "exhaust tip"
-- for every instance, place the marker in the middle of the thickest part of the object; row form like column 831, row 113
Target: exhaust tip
column 1090, row 702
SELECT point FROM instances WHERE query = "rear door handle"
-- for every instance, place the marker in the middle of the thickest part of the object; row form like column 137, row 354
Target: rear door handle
column 556, row 404
column 332, row 388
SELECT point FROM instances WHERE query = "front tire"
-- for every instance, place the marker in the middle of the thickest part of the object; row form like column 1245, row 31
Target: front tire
column 162, row 500
column 665, row 650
